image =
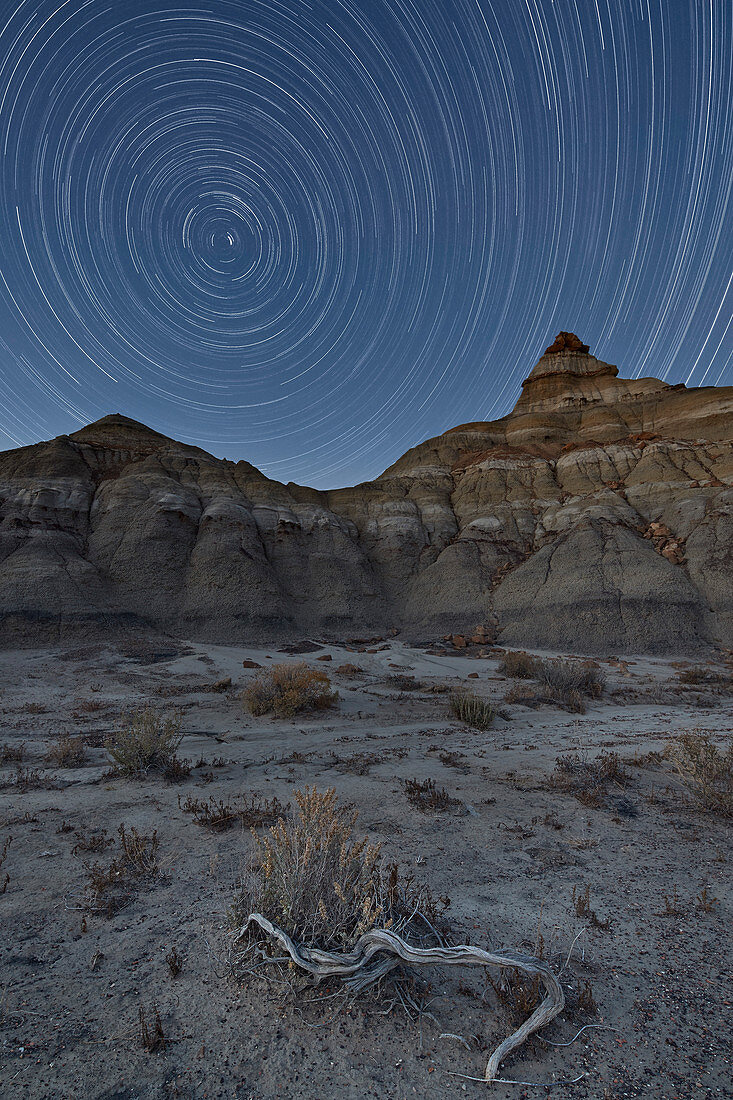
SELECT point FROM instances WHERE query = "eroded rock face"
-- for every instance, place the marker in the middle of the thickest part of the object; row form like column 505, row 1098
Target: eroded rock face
column 596, row 517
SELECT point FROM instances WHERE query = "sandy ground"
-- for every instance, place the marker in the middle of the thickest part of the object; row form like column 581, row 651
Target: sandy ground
column 509, row 853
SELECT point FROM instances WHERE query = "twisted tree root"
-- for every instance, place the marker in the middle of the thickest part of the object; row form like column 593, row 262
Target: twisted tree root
column 353, row 967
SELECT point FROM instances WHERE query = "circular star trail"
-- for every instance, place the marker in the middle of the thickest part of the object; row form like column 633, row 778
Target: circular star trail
column 312, row 234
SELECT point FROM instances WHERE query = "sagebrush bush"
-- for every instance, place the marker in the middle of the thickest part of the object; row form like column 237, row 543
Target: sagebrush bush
column 518, row 664
column 566, row 683
column 566, row 677
column 287, row 690
column 313, row 879
column 146, row 741
column 705, row 770
column 472, row 710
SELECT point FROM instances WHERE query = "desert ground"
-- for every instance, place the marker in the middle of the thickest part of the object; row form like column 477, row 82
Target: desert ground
column 627, row 886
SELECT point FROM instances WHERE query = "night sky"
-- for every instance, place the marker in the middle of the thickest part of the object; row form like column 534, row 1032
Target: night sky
column 313, row 234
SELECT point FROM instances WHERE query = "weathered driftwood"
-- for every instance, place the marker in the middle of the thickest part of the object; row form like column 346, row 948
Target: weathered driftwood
column 358, row 970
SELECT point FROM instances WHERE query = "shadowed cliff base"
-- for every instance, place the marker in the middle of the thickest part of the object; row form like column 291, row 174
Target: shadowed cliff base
column 597, row 516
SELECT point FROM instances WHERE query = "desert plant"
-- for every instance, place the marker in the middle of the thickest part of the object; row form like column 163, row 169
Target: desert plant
column 216, row 813
column 322, row 904
column 581, row 903
column 67, row 752
column 565, row 683
column 565, row 677
column 174, row 962
column 111, row 888
column 472, row 710
column 313, row 878
column 3, row 857
column 425, row 795
column 92, row 842
column 706, row 902
column 152, row 1037
column 705, row 771
column 518, row 664
column 589, row 778
column 146, row 741
column 12, row 754
column 287, row 690
column 29, row 779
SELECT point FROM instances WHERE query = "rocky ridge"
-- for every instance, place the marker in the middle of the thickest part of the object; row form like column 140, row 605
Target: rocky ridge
column 597, row 516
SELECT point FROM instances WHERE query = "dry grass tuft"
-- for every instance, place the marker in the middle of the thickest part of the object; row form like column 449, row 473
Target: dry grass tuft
column 472, row 710
column 146, row 742
column 287, row 690
column 705, row 771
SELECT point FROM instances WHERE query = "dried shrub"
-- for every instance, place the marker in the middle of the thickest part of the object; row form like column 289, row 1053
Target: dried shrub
column 67, row 752
column 566, row 678
column 588, row 778
column 705, row 770
column 3, row 856
column 30, row 779
column 518, row 664
column 472, row 710
column 92, row 842
column 322, row 886
column 564, row 683
column 216, row 813
column 287, row 690
column 109, row 889
column 312, row 878
column 426, row 796
column 12, row 754
column 581, row 901
column 152, row 1037
column 174, row 962
column 517, row 993
column 146, row 742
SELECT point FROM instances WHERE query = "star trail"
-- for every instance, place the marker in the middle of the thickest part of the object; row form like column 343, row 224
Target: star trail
column 311, row 235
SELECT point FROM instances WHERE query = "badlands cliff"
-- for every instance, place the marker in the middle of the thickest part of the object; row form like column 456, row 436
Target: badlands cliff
column 597, row 517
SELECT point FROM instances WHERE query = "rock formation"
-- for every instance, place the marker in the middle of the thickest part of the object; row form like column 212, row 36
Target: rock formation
column 597, row 516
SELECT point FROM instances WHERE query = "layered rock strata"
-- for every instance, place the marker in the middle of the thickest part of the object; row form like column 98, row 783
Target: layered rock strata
column 597, row 517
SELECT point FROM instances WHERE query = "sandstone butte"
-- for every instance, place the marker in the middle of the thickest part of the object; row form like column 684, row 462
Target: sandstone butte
column 595, row 517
